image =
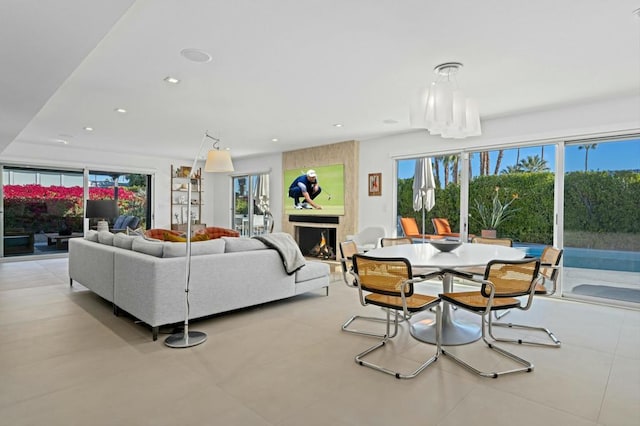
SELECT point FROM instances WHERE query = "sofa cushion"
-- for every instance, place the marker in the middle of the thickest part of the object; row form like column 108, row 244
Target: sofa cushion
column 123, row 240
column 91, row 235
column 105, row 237
column 312, row 270
column 236, row 244
column 153, row 248
column 197, row 249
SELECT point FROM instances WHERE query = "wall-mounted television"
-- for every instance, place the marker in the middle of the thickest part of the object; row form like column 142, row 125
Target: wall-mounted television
column 331, row 196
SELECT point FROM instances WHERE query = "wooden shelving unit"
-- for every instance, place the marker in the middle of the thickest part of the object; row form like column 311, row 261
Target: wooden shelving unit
column 180, row 201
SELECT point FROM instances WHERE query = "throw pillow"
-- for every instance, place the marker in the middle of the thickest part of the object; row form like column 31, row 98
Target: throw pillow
column 137, row 231
column 173, row 238
column 200, row 237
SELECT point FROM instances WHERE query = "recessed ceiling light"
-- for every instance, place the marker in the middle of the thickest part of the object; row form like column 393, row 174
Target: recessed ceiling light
column 171, row 80
column 274, row 140
column 121, row 110
column 61, row 141
column 196, row 55
column 337, row 125
column 88, row 128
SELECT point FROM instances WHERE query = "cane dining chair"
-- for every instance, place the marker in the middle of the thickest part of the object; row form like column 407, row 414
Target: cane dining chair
column 548, row 276
column 506, row 285
column 347, row 250
column 388, row 241
column 389, row 283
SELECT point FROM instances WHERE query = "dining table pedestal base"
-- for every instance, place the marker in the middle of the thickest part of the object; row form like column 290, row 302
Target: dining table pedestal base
column 455, row 331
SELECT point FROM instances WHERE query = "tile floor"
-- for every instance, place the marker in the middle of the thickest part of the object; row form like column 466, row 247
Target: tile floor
column 65, row 359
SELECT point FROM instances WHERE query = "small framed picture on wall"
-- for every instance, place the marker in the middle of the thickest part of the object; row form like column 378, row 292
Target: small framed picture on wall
column 375, row 184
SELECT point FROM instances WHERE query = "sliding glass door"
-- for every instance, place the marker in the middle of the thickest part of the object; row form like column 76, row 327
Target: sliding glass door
column 511, row 195
column 602, row 220
column 131, row 191
column 42, row 208
column 251, row 211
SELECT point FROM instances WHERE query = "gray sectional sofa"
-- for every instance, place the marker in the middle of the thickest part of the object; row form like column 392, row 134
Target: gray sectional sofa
column 147, row 278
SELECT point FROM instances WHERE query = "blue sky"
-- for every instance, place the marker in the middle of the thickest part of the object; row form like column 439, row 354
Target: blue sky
column 606, row 156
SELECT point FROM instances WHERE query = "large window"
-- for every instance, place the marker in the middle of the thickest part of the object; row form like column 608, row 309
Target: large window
column 131, row 191
column 447, row 175
column 511, row 195
column 43, row 208
column 595, row 218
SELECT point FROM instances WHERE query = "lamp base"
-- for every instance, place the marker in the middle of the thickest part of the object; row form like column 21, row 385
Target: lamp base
column 103, row 225
column 179, row 340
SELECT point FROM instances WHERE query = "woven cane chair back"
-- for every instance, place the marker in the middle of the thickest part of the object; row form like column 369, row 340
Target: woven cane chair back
column 387, row 242
column 550, row 256
column 512, row 278
column 383, row 275
column 507, row 242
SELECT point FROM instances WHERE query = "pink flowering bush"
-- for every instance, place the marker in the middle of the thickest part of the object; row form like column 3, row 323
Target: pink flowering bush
column 47, row 208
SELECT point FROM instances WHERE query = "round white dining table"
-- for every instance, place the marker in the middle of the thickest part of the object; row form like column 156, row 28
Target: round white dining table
column 455, row 331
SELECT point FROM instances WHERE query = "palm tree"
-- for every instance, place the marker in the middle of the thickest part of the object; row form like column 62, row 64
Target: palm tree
column 436, row 169
column 484, row 163
column 455, row 162
column 586, row 148
column 512, row 169
column 498, row 161
column 446, row 162
column 533, row 164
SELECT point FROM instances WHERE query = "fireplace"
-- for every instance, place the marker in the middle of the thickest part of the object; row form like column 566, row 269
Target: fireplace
column 317, row 242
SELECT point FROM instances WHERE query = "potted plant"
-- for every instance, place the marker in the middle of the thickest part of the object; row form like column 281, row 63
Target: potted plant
column 491, row 216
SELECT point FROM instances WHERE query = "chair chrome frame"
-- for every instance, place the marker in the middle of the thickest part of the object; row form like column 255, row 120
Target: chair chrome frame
column 545, row 276
column 487, row 322
column 405, row 290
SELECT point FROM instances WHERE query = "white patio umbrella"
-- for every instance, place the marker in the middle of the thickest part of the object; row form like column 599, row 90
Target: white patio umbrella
column 424, row 188
column 261, row 198
column 261, row 192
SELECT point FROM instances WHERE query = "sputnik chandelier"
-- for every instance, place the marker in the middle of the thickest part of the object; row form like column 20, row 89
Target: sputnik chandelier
column 443, row 108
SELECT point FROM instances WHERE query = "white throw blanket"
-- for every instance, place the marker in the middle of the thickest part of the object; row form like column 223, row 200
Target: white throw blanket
column 286, row 246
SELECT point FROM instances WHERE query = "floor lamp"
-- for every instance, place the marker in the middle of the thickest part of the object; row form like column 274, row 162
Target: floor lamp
column 217, row 162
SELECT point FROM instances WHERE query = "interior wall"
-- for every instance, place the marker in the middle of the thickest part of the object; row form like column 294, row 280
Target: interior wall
column 611, row 116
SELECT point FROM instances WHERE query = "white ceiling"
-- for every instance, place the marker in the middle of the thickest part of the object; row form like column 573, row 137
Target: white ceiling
column 291, row 69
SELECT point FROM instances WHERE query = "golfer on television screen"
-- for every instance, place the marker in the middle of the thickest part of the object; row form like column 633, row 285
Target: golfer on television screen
column 305, row 186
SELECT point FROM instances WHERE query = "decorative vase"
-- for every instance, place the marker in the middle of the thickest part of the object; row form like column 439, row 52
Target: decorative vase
column 488, row 233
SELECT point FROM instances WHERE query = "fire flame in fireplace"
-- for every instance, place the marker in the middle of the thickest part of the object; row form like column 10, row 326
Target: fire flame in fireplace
column 322, row 249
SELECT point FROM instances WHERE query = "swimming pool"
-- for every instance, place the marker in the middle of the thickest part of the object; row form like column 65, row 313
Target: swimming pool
column 611, row 260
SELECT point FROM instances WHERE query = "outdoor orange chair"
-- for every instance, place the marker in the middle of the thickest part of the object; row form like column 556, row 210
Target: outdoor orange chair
column 442, row 227
column 411, row 230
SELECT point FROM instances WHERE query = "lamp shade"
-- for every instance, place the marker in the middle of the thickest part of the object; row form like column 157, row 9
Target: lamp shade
column 101, row 209
column 218, row 162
